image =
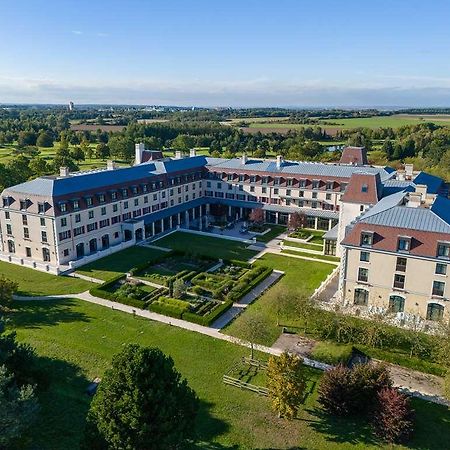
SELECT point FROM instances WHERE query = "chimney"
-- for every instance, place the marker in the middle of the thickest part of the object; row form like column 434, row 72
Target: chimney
column 279, row 161
column 192, row 152
column 110, row 165
column 64, row 171
column 244, row 158
column 178, row 154
column 409, row 168
column 139, row 150
column 421, row 189
column 414, row 200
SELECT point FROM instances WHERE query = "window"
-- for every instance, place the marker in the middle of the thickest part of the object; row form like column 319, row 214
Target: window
column 276, row 181
column 24, row 219
column 23, row 204
column 252, row 188
column 404, row 244
column 289, row 182
column 77, row 231
column 11, row 247
column 7, row 215
column 275, row 191
column 315, row 184
column 46, row 254
column 9, row 229
column 124, row 193
column 366, row 238
column 443, row 250
column 435, row 312
column 89, row 201
column 329, row 186
column 136, row 201
column 364, row 188
column 26, row 233
column 441, row 269
column 438, row 288
column 264, row 190
column 28, row 252
column 42, row 222
column 364, row 256
column 66, row 252
column 399, row 281
column 64, row 235
column 63, row 221
column 63, row 207
column 396, row 304
column 219, row 185
column 114, row 195
column 43, row 236
column 91, row 214
column 361, row 297
column 363, row 274
column 328, row 196
column 401, row 265
column 101, row 198
column 76, row 204
column 314, row 195
column 103, row 211
column 314, row 205
column 77, row 218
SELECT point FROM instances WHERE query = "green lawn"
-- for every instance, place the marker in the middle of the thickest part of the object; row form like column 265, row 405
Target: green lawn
column 120, row 262
column 311, row 255
column 33, row 282
column 307, row 245
column 76, row 341
column 301, row 275
column 213, row 247
column 275, row 230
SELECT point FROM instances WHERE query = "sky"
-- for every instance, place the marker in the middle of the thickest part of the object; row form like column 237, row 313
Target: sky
column 293, row 53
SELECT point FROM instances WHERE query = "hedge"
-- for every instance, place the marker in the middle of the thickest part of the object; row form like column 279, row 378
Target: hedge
column 248, row 282
column 209, row 318
column 102, row 292
column 165, row 309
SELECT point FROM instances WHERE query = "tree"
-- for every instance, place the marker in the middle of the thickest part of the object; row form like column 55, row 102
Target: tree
column 45, row 139
column 7, row 290
column 39, row 166
column 297, row 220
column 86, row 149
column 141, row 403
column 19, row 408
column 101, row 151
column 26, row 138
column 77, row 154
column 183, row 142
column 179, row 288
column 447, row 385
column 345, row 391
column 252, row 327
column 286, row 383
column 257, row 215
column 393, row 420
column 121, row 147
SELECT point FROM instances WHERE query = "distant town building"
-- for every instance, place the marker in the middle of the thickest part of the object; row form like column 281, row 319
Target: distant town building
column 71, row 106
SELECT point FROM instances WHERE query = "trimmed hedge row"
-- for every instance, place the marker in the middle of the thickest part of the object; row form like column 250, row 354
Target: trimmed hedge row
column 209, row 318
column 248, row 282
column 102, row 292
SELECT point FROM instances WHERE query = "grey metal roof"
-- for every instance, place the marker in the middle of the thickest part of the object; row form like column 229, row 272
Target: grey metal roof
column 332, row 234
column 301, row 168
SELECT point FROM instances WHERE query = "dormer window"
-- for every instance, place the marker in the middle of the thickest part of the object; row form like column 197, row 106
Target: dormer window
column 101, row 198
column 63, row 207
column 443, row 250
column 329, row 185
column 23, row 204
column 364, row 188
column 134, row 190
column 6, row 202
column 404, row 244
column 124, row 193
column 76, row 204
column 41, row 208
column 89, row 201
column 315, row 184
column 114, row 195
column 367, row 238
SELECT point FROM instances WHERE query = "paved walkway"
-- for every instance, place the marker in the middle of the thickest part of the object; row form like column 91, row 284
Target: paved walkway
column 238, row 307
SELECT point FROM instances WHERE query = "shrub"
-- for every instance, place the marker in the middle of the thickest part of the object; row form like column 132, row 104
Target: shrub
column 393, row 420
column 345, row 391
column 331, row 353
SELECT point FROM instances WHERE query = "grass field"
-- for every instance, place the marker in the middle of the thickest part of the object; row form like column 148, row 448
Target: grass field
column 300, row 275
column 394, row 121
column 311, row 255
column 33, row 282
column 214, row 247
column 76, row 341
column 118, row 263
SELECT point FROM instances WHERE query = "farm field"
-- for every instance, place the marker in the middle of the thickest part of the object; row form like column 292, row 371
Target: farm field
column 332, row 125
column 76, row 341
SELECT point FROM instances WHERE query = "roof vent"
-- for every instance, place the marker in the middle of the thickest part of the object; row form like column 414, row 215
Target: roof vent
column 192, row 152
column 64, row 171
column 178, row 154
column 244, row 158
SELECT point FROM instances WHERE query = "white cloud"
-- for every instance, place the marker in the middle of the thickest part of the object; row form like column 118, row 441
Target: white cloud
column 76, row 32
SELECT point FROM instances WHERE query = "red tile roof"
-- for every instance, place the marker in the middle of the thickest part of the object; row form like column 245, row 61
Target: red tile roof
column 423, row 243
column 354, row 155
column 363, row 188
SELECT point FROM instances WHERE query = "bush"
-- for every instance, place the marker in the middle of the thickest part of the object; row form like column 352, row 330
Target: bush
column 330, row 353
column 345, row 391
column 393, row 421
column 209, row 318
column 248, row 282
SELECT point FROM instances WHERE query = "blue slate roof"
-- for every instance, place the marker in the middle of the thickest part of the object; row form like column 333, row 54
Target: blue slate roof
column 433, row 183
column 390, row 211
column 301, row 168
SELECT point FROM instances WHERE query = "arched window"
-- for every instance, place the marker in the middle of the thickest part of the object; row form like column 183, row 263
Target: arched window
column 396, row 304
column 435, row 311
column 361, row 297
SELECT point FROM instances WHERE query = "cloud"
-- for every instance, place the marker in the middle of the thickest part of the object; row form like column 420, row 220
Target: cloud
column 102, row 34
column 78, row 32
column 257, row 92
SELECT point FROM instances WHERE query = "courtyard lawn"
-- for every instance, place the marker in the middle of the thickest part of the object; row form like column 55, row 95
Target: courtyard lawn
column 275, row 230
column 301, row 275
column 214, row 247
column 36, row 283
column 316, row 247
column 118, row 263
column 311, row 255
column 76, row 341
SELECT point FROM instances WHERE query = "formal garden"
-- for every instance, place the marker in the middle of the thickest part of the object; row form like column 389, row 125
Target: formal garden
column 185, row 286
